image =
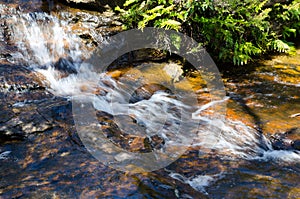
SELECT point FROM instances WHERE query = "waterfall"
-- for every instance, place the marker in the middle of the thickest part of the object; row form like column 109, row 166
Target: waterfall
column 42, row 41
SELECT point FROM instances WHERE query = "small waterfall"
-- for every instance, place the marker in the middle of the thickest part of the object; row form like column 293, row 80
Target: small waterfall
column 42, row 40
column 234, row 139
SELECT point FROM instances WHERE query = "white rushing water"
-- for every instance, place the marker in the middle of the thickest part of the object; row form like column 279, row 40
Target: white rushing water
column 42, row 39
column 198, row 182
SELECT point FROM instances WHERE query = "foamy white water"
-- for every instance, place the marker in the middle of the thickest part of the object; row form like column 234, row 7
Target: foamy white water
column 42, row 39
column 199, row 182
column 4, row 155
column 234, row 139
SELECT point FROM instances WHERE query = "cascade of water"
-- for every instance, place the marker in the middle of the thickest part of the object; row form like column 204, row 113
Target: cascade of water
column 43, row 39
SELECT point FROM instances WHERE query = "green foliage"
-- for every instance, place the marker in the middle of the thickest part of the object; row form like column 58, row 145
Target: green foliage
column 233, row 30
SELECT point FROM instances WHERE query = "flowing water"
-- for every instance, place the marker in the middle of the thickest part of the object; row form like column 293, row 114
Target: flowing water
column 227, row 157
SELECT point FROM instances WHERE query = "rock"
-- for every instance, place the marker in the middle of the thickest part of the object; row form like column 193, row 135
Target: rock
column 282, row 144
column 96, row 5
column 35, row 117
column 296, row 145
column 293, row 134
column 127, row 133
column 295, row 115
column 25, row 106
column 5, row 114
column 290, row 140
column 92, row 27
column 137, row 56
column 65, row 66
column 145, row 92
column 174, row 71
column 83, row 1
column 115, row 74
column 18, row 79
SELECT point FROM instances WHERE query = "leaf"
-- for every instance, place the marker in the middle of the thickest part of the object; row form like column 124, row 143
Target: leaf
column 280, row 46
column 154, row 10
column 129, row 2
column 171, row 24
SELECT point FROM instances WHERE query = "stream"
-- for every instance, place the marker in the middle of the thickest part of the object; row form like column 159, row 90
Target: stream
column 251, row 152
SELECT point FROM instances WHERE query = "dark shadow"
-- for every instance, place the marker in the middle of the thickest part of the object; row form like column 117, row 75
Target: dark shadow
column 97, row 5
column 257, row 120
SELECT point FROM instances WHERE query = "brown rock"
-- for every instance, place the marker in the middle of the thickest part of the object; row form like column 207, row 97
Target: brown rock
column 115, row 73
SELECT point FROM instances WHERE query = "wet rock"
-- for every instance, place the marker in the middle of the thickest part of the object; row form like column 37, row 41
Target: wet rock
column 296, row 145
column 92, row 27
column 65, row 66
column 18, row 79
column 21, row 125
column 37, row 116
column 57, row 110
column 115, row 74
column 282, row 144
column 18, row 118
column 125, row 132
column 290, row 140
column 145, row 92
column 156, row 142
column 26, row 107
column 136, row 57
column 5, row 114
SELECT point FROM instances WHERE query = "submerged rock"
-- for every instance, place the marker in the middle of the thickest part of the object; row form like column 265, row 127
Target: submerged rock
column 127, row 133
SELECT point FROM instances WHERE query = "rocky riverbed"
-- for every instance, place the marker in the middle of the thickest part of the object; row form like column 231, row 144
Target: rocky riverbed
column 42, row 156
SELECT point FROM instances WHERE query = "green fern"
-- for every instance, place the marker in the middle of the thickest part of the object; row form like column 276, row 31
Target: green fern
column 280, row 46
column 170, row 24
column 232, row 30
